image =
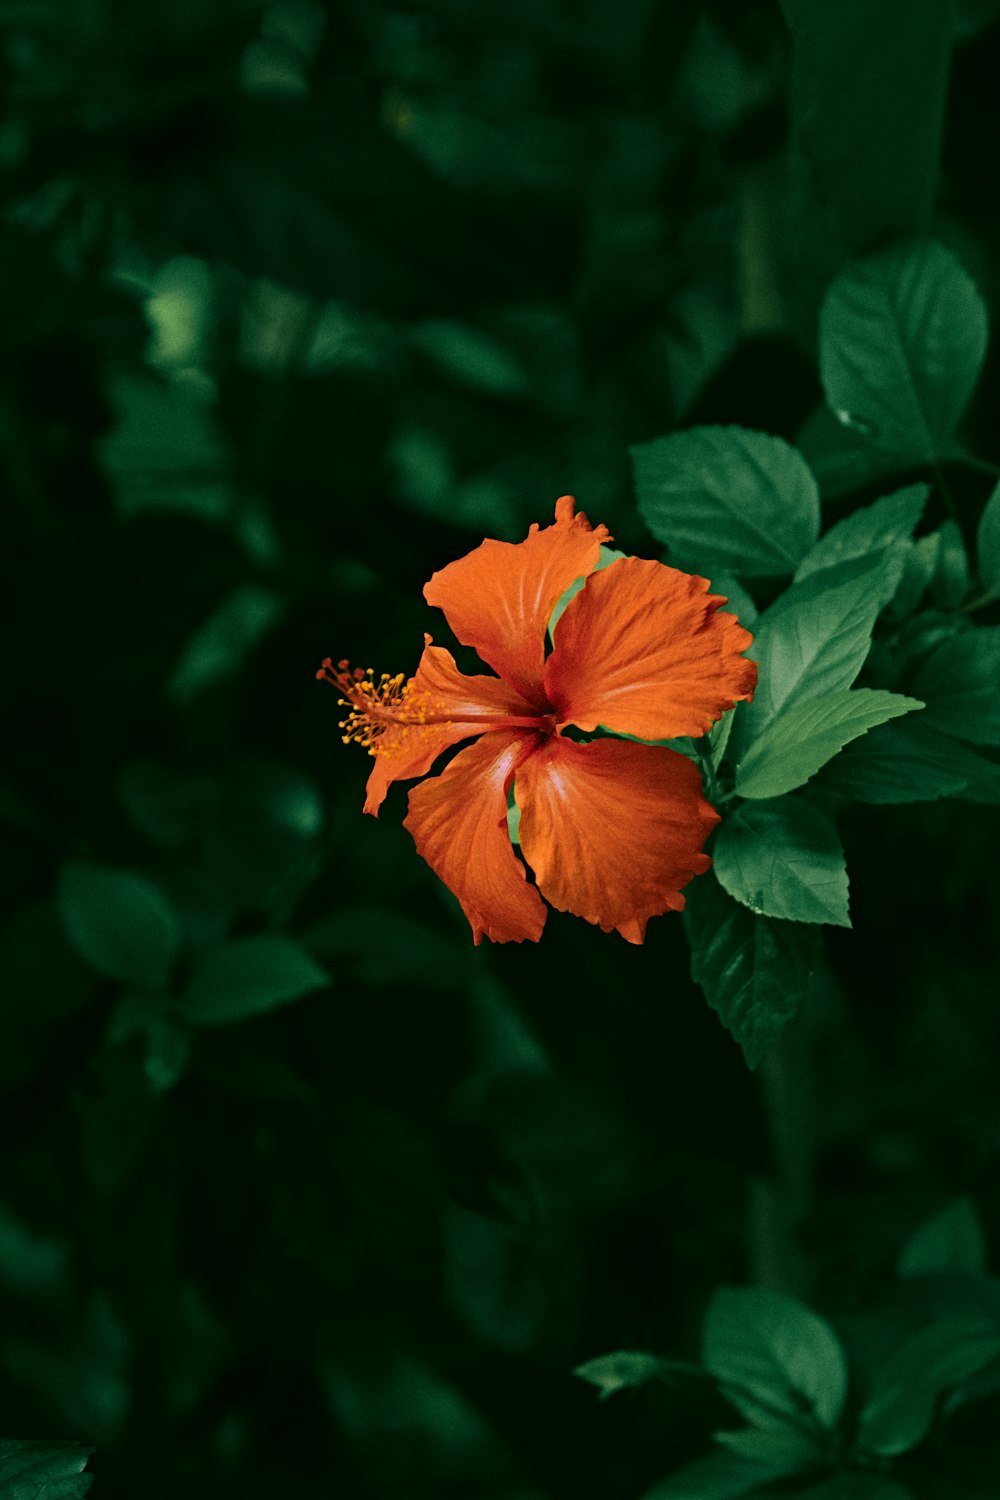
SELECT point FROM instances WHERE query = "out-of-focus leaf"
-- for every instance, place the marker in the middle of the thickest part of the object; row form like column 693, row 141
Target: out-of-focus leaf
column 804, row 737
column 246, row 977
column 783, row 859
column 43, row 1471
column 774, row 1358
column 988, row 544
column 902, row 340
column 799, row 1451
column 720, row 1476
column 728, row 499
column 951, row 576
column 220, row 647
column 918, row 570
column 389, row 947
column 900, row 1410
column 905, row 761
column 163, row 453
column 754, row 971
column 869, row 530
column 953, row 1240
column 869, row 89
column 958, row 683
column 854, row 1485
column 472, row 356
column 624, row 1369
column 119, row 922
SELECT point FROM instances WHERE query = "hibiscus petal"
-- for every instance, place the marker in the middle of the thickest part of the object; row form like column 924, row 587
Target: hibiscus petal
column 459, row 824
column 455, row 706
column 499, row 597
column 612, row 829
column 644, row 650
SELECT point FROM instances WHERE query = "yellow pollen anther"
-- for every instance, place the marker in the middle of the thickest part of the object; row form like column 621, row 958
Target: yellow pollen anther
column 382, row 715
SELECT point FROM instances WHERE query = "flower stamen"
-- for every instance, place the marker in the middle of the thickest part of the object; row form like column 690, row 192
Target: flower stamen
column 384, row 715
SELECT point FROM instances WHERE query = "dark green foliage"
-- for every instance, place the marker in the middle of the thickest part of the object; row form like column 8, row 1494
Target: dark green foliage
column 300, row 1192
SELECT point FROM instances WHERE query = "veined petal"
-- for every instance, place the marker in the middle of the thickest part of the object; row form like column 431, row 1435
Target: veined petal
column 644, row 650
column 612, row 829
column 499, row 597
column 459, row 824
column 444, row 707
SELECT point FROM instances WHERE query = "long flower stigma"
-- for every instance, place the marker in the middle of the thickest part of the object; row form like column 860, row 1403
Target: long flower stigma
column 382, row 716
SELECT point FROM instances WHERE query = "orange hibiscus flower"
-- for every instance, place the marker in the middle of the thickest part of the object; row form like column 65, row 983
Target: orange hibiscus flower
column 611, row 829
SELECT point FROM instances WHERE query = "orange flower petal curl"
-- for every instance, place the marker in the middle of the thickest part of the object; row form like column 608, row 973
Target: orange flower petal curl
column 644, row 650
column 499, row 597
column 612, row 829
column 456, row 707
column 459, row 824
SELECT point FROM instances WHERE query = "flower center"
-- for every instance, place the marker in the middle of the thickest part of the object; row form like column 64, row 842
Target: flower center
column 376, row 708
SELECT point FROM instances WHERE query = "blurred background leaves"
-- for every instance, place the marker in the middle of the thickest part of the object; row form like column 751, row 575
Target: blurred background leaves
column 299, row 302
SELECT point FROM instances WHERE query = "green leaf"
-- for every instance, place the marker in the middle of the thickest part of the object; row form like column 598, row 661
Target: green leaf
column 905, row 761
column 625, row 1368
column 783, row 858
column 119, row 923
column 988, row 544
column 389, row 947
column 475, row 358
column 721, row 1476
column 814, row 639
column 726, row 498
column 773, row 1358
column 958, row 682
column 796, row 1450
column 869, row 84
column 868, row 531
column 840, row 458
column 219, row 649
column 902, row 338
column 803, row 738
column 951, row 576
column 43, row 1471
column 247, row 976
column 906, row 1390
column 919, row 567
column 953, row 1240
column 754, row 971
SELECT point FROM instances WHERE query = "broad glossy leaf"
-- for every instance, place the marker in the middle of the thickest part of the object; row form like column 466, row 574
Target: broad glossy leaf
column 804, row 737
column 901, row 1409
column 902, row 340
column 728, row 499
column 867, row 531
column 988, row 544
column 783, row 858
column 247, row 976
column 771, row 1355
column 43, row 1471
column 119, row 923
column 959, row 684
column 953, row 1240
column 754, row 971
column 814, row 639
column 905, row 761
